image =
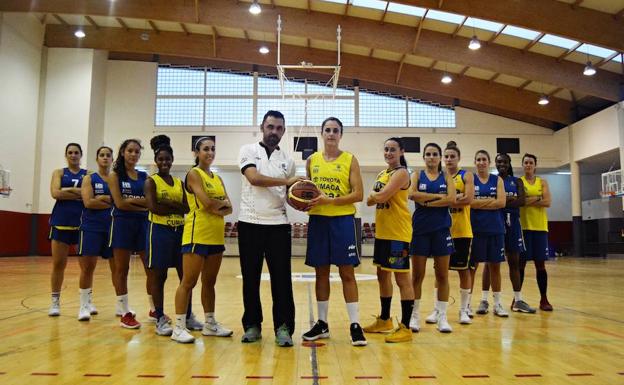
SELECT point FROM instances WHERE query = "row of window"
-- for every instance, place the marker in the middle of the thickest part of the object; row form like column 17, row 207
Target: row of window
column 201, row 97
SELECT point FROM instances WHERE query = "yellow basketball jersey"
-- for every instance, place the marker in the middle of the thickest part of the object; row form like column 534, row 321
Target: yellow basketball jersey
column 332, row 178
column 461, row 227
column 392, row 218
column 172, row 193
column 532, row 217
column 200, row 226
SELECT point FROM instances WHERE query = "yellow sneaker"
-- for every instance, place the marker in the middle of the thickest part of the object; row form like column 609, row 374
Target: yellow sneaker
column 380, row 326
column 402, row 334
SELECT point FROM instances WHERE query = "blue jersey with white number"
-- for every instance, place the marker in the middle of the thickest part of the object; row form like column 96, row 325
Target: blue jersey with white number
column 487, row 221
column 66, row 213
column 97, row 220
column 131, row 188
column 428, row 219
column 511, row 190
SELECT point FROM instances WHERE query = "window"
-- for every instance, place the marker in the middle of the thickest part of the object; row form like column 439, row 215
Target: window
column 425, row 115
column 382, row 111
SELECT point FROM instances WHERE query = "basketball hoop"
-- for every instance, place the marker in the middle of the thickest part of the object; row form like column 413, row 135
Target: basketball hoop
column 5, row 182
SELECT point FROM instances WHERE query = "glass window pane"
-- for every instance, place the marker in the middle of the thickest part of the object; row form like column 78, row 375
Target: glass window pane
column 445, row 16
column 327, row 90
column 374, row 4
column 293, row 110
column 179, row 112
column 382, row 111
column 595, row 50
column 271, row 86
column 424, row 115
column 483, row 24
column 558, row 41
column 520, row 32
column 180, row 81
column 320, row 109
column 406, row 9
column 229, row 112
column 223, row 83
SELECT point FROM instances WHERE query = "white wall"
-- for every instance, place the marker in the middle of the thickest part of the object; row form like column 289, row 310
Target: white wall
column 21, row 41
column 596, row 134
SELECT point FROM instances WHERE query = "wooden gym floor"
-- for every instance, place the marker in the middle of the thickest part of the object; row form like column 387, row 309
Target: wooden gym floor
column 581, row 342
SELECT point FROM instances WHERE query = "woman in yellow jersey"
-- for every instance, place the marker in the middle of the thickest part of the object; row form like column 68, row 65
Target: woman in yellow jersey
column 392, row 236
column 331, row 228
column 534, row 221
column 167, row 205
column 461, row 231
column 202, row 241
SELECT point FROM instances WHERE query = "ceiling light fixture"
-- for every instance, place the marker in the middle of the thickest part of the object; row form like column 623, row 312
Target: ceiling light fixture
column 446, row 78
column 80, row 33
column 589, row 69
column 254, row 8
column 543, row 100
column 264, row 50
column 474, row 44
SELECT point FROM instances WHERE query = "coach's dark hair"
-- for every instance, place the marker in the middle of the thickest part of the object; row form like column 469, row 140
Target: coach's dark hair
column 451, row 145
column 199, row 142
column 527, row 155
column 119, row 166
column 161, row 143
column 435, row 145
column 97, row 152
column 272, row 113
column 73, row 144
column 506, row 155
column 400, row 143
column 332, row 119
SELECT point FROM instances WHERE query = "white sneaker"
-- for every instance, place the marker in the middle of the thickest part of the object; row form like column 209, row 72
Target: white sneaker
column 443, row 325
column 215, row 329
column 470, row 312
column 83, row 313
column 433, row 317
column 182, row 335
column 193, row 323
column 415, row 322
column 55, row 308
column 92, row 309
column 464, row 317
column 163, row 328
column 500, row 311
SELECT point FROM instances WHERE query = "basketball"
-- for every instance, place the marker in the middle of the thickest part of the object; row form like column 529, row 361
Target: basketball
column 301, row 193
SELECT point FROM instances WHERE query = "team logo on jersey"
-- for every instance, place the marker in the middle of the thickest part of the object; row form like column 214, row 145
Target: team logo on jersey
column 243, row 161
column 477, row 189
column 422, row 187
column 378, row 186
column 126, row 185
column 315, row 169
column 99, row 186
column 283, row 166
column 338, row 167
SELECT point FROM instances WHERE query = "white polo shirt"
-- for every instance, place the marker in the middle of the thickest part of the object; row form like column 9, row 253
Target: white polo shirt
column 264, row 205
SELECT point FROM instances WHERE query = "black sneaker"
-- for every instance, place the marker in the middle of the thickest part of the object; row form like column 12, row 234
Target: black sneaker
column 318, row 331
column 357, row 335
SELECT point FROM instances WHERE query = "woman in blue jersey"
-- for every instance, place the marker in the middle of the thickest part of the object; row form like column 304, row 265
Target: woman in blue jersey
column 433, row 191
column 488, row 243
column 514, row 241
column 65, row 218
column 94, row 226
column 127, row 233
column 167, row 205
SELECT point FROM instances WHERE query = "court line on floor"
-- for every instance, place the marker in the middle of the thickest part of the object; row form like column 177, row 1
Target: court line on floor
column 368, row 377
column 592, row 315
column 259, row 377
column 527, row 375
column 579, row 374
column 475, row 376
column 43, row 374
column 204, row 376
column 150, row 375
column 422, row 377
column 603, row 331
column 97, row 375
column 313, row 357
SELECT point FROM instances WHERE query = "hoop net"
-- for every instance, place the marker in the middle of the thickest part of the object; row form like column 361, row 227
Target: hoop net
column 612, row 184
column 5, row 182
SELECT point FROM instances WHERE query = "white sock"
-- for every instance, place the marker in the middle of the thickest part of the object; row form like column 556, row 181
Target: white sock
column 151, row 303
column 84, row 296
column 181, row 320
column 122, row 302
column 464, row 295
column 469, row 298
column 435, row 296
column 442, row 306
column 517, row 296
column 484, row 295
column 56, row 295
column 90, row 294
column 323, row 307
column 497, row 297
column 353, row 309
column 416, row 307
column 209, row 317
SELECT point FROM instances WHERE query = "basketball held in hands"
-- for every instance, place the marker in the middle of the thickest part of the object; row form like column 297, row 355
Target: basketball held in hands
column 301, row 193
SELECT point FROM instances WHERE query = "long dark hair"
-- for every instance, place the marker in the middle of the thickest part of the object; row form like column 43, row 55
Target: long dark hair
column 161, row 143
column 73, row 144
column 119, row 166
column 439, row 152
column 97, row 152
column 332, row 119
column 451, row 145
column 506, row 155
column 398, row 141
column 199, row 142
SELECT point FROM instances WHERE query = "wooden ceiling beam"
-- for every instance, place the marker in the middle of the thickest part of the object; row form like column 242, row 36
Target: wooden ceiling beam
column 60, row 20
column 432, row 65
column 533, row 42
column 556, row 90
column 246, row 35
column 419, row 30
column 385, row 12
column 122, row 23
column 524, row 85
column 398, row 75
column 374, row 70
column 494, row 77
column 459, row 27
column 496, row 34
column 568, row 52
column 44, row 18
column 576, row 4
column 463, row 71
column 186, row 31
column 154, row 27
column 197, row 20
column 619, row 14
column 92, row 22
column 607, row 59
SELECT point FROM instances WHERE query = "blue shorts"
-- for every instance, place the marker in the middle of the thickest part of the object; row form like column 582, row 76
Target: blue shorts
column 332, row 241
column 536, row 246
column 203, row 250
column 94, row 244
column 488, row 248
column 460, row 258
column 514, row 241
column 163, row 246
column 391, row 255
column 434, row 244
column 128, row 233
column 69, row 237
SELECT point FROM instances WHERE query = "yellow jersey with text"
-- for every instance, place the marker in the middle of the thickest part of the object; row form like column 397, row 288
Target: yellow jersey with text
column 164, row 191
column 460, row 217
column 332, row 178
column 393, row 220
column 201, row 226
column 532, row 217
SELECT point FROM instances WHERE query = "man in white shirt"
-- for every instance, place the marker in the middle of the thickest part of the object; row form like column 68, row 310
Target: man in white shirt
column 264, row 230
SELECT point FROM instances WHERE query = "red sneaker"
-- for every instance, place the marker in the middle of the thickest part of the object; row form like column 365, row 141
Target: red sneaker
column 129, row 322
column 152, row 317
column 545, row 305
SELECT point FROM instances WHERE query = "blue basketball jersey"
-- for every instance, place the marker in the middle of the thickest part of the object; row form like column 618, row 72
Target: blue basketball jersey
column 66, row 213
column 487, row 221
column 131, row 188
column 428, row 219
column 511, row 189
column 97, row 219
